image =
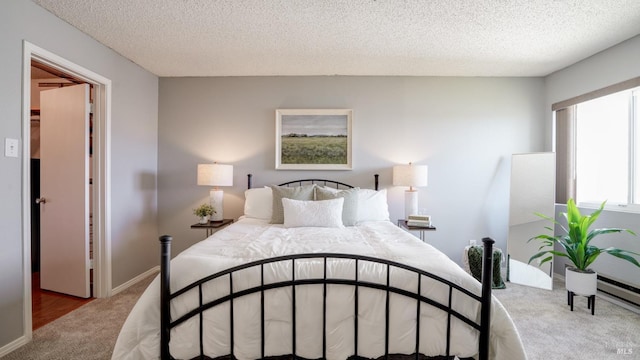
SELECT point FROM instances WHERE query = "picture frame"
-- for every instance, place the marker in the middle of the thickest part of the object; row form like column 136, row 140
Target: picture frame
column 314, row 139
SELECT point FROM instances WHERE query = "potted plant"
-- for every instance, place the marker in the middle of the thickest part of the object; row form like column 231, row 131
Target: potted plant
column 203, row 212
column 576, row 245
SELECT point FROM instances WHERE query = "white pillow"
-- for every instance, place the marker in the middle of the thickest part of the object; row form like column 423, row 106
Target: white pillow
column 258, row 203
column 372, row 205
column 304, row 192
column 324, row 213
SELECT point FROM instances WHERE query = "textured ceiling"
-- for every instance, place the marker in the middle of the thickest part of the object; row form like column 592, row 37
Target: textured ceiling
column 353, row 37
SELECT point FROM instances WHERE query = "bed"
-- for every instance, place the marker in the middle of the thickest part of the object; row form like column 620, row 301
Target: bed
column 311, row 287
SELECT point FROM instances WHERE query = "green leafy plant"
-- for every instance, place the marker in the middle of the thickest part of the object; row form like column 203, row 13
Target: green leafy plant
column 204, row 210
column 576, row 240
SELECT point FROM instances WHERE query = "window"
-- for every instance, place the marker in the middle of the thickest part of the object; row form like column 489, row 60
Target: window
column 636, row 147
column 602, row 149
column 598, row 147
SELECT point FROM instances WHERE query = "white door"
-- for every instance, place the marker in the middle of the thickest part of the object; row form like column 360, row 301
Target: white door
column 64, row 189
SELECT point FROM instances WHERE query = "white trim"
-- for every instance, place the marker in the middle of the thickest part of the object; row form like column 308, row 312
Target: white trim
column 102, row 170
column 628, row 208
column 26, row 194
column 615, row 301
column 144, row 275
column 102, row 188
column 14, row 345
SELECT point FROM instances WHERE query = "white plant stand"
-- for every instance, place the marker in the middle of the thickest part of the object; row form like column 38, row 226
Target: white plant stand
column 583, row 284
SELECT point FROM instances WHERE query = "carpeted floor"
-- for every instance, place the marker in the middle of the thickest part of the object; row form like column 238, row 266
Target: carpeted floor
column 90, row 332
column 548, row 329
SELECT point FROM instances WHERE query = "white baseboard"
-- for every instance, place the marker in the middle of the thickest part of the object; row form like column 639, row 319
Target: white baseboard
column 14, row 345
column 135, row 280
column 615, row 301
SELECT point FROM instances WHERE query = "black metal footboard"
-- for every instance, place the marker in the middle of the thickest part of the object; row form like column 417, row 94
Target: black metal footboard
column 167, row 324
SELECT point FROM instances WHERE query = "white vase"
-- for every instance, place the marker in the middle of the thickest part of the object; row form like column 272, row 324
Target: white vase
column 581, row 283
column 204, row 219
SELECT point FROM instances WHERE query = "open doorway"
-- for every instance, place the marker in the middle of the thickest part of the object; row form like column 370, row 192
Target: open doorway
column 96, row 225
column 50, row 302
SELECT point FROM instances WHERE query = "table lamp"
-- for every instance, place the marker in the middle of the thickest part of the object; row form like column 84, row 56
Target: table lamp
column 411, row 176
column 215, row 175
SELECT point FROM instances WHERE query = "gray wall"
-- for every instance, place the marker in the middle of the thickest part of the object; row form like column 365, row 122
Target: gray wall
column 614, row 65
column 611, row 66
column 464, row 129
column 133, row 143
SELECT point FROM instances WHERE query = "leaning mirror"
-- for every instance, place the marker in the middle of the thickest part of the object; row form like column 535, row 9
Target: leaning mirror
column 532, row 190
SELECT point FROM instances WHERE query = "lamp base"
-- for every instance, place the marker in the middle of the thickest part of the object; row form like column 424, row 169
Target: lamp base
column 216, row 200
column 410, row 203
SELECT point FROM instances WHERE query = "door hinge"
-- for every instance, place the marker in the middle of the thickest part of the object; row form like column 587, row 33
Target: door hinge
column 90, row 263
column 92, row 108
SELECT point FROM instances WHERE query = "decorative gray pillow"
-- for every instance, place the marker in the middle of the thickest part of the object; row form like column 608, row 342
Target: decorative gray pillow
column 350, row 206
column 304, row 192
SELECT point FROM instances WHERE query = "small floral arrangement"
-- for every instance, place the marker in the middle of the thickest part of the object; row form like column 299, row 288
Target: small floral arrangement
column 204, row 210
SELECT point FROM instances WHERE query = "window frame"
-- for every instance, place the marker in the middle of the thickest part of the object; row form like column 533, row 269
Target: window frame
column 565, row 144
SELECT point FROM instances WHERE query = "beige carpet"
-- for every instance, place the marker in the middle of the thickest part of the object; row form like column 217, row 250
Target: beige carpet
column 548, row 329
column 90, row 332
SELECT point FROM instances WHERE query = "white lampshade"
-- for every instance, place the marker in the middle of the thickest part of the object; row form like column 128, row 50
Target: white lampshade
column 411, row 176
column 215, row 175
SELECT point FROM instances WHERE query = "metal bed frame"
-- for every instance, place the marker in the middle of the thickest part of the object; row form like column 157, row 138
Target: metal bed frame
column 167, row 323
column 332, row 183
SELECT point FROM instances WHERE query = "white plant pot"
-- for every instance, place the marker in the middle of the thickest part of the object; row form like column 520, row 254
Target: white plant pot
column 581, row 283
column 204, row 219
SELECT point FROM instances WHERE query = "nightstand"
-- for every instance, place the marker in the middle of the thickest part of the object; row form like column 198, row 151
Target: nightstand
column 212, row 226
column 402, row 223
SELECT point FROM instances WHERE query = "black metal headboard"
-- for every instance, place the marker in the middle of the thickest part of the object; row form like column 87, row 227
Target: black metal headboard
column 324, row 182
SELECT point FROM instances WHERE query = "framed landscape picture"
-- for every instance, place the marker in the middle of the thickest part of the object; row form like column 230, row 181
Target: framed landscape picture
column 313, row 139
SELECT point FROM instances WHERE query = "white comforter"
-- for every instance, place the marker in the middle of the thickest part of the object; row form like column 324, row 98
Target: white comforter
column 251, row 239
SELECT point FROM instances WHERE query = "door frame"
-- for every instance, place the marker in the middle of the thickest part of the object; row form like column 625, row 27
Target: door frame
column 101, row 172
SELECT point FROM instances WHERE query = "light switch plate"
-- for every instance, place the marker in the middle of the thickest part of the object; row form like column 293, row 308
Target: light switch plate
column 10, row 147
